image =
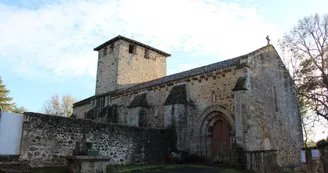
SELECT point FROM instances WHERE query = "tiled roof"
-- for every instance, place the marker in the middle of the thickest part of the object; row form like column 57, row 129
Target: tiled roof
column 131, row 41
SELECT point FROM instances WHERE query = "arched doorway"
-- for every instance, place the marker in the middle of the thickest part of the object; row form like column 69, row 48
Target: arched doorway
column 215, row 130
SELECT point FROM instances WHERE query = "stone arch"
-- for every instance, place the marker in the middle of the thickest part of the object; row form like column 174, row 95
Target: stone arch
column 205, row 123
column 205, row 116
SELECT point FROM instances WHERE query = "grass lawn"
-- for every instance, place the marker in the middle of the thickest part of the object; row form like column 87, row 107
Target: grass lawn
column 49, row 170
column 232, row 170
column 152, row 168
column 129, row 168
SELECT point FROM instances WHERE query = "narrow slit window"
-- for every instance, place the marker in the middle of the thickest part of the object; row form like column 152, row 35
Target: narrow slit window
column 132, row 49
column 147, row 54
column 105, row 51
column 111, row 48
column 275, row 98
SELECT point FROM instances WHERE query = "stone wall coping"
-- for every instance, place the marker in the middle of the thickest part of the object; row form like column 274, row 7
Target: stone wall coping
column 88, row 158
column 96, row 125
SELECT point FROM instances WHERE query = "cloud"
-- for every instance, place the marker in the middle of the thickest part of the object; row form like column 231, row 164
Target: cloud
column 58, row 38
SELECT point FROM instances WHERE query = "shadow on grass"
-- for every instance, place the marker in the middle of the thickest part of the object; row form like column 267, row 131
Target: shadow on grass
column 139, row 168
column 232, row 170
column 155, row 168
column 49, row 170
column 146, row 167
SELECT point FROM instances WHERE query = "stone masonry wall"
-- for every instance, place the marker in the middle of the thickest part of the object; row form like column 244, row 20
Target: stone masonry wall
column 107, row 69
column 268, row 116
column 202, row 92
column 272, row 117
column 80, row 111
column 262, row 161
column 136, row 68
column 117, row 68
column 46, row 140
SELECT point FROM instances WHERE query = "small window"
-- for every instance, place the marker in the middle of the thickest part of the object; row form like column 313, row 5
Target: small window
column 275, row 98
column 105, row 51
column 132, row 49
column 111, row 48
column 146, row 53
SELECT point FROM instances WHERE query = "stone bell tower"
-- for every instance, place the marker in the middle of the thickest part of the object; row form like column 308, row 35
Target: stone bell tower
column 123, row 62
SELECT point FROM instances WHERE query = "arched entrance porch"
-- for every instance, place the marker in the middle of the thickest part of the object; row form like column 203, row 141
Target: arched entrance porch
column 216, row 134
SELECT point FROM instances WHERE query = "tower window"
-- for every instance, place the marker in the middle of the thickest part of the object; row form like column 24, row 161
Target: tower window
column 105, row 51
column 111, row 48
column 132, row 49
column 146, row 53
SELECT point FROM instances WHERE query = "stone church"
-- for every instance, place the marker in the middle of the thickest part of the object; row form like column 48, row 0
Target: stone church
column 245, row 103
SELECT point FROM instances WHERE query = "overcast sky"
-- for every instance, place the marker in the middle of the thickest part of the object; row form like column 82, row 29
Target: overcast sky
column 47, row 46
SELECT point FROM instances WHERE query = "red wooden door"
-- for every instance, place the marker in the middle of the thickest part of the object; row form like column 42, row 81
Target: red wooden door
column 220, row 141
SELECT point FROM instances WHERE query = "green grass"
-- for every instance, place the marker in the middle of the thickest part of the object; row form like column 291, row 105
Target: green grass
column 152, row 168
column 129, row 168
column 49, row 170
column 231, row 170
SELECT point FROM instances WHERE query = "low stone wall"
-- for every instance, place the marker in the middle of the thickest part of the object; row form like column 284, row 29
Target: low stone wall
column 9, row 158
column 262, row 161
column 46, row 140
column 316, row 160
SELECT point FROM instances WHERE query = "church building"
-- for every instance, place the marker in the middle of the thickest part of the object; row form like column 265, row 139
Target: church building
column 247, row 103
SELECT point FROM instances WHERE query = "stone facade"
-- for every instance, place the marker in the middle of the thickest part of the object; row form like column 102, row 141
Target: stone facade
column 122, row 63
column 87, row 164
column 47, row 140
column 268, row 111
column 251, row 98
column 262, row 161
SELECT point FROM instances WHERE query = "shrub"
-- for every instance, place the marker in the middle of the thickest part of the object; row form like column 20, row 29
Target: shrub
column 322, row 143
column 111, row 169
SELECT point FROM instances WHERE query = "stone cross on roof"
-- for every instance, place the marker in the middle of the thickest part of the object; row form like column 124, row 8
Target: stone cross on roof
column 268, row 39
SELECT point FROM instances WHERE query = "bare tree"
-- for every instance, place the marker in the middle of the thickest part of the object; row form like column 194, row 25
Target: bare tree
column 308, row 47
column 59, row 106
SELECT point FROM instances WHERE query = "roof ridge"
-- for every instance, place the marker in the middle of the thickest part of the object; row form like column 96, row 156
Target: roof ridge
column 132, row 41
